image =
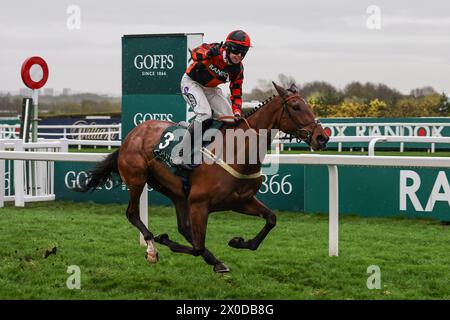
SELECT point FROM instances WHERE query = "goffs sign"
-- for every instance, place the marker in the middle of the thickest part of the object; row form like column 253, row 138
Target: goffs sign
column 34, row 72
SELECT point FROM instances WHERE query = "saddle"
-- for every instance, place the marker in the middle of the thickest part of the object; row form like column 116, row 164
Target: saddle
column 164, row 150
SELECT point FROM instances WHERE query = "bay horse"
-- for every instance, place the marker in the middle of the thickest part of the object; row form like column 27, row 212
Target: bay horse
column 211, row 187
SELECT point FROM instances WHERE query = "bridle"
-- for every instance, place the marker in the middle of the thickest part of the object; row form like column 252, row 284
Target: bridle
column 308, row 128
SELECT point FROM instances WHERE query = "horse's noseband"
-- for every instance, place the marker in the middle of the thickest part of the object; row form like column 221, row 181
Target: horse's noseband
column 304, row 132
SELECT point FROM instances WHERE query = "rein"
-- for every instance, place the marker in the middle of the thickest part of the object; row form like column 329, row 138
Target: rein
column 245, row 120
column 224, row 165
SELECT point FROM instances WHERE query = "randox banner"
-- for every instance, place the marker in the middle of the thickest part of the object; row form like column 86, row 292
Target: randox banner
column 282, row 190
column 360, row 127
column 363, row 127
column 380, row 192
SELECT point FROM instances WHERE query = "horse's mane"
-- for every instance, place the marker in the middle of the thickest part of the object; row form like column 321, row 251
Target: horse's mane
column 262, row 104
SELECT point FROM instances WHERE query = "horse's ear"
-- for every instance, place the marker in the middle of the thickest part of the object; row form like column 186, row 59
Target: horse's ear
column 281, row 91
column 293, row 88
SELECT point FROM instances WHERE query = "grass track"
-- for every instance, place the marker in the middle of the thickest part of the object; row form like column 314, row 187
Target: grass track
column 292, row 263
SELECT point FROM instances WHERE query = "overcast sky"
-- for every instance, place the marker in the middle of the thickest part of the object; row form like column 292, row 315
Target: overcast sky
column 324, row 40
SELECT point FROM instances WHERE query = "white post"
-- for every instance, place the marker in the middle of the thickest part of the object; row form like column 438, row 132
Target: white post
column 109, row 138
column 277, row 148
column 79, row 138
column 372, row 145
column 333, row 227
column 35, row 115
column 19, row 188
column 402, row 146
column 143, row 212
column 2, row 178
column 433, row 147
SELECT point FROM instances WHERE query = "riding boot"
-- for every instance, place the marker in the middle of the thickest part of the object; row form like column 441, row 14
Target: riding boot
column 189, row 143
column 186, row 143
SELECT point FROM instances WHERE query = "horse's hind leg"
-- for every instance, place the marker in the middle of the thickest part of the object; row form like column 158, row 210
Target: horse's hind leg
column 133, row 216
column 184, row 228
column 254, row 207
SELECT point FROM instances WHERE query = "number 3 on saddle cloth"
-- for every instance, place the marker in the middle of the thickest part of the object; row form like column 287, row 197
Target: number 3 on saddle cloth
column 169, row 141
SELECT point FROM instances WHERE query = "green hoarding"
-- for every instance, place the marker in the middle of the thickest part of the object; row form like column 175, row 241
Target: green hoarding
column 282, row 190
column 378, row 191
column 152, row 67
column 71, row 175
column 9, row 131
column 153, row 64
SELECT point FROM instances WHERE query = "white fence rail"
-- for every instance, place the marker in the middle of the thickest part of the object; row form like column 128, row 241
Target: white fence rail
column 331, row 161
column 373, row 140
column 32, row 180
column 97, row 132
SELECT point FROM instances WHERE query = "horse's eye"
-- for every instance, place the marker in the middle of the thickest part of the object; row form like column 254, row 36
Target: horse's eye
column 296, row 108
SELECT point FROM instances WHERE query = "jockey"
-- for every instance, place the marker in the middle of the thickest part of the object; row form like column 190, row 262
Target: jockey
column 213, row 64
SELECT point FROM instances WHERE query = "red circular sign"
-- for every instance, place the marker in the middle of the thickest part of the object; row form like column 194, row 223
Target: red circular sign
column 26, row 76
column 328, row 131
column 422, row 132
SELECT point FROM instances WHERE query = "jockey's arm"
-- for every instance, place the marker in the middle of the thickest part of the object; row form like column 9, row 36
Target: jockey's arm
column 236, row 92
column 202, row 52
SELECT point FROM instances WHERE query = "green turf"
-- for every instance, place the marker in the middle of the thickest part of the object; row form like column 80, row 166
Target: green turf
column 292, row 263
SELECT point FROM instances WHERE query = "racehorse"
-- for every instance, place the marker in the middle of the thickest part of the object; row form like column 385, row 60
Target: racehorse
column 211, row 187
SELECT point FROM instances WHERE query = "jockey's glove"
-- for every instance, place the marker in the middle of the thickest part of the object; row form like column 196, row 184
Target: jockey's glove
column 214, row 50
column 237, row 113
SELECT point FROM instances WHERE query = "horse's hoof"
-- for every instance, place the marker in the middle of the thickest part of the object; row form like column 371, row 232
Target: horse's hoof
column 236, row 242
column 161, row 238
column 152, row 259
column 221, row 268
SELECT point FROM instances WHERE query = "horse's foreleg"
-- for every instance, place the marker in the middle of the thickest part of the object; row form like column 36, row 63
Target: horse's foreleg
column 176, row 247
column 184, row 222
column 134, row 218
column 184, row 228
column 198, row 215
column 254, row 207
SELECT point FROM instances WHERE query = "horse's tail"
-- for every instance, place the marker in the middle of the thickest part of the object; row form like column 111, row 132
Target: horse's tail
column 101, row 173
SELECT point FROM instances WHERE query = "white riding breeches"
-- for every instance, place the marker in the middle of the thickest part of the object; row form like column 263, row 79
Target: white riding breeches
column 207, row 102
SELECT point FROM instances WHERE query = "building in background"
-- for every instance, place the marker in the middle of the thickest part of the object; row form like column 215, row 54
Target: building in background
column 25, row 92
column 49, row 92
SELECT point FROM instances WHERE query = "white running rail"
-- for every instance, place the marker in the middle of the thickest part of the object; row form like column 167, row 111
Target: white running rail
column 32, row 180
column 373, row 140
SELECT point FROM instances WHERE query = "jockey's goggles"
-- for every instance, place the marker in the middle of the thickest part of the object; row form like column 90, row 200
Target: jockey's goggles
column 237, row 49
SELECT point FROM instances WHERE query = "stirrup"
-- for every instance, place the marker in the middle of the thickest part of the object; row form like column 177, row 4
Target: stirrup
column 178, row 161
column 188, row 166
